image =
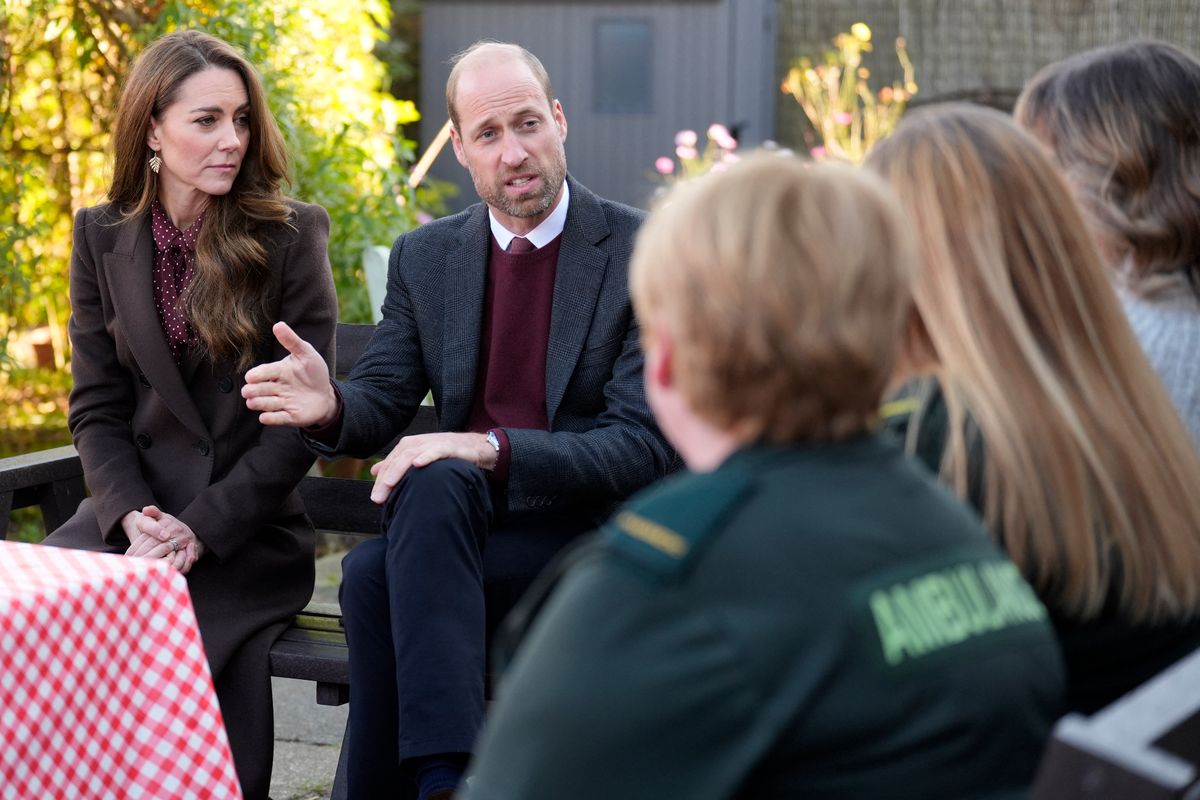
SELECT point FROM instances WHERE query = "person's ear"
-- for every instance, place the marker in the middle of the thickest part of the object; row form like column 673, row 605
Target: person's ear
column 152, row 140
column 660, row 359
column 456, row 143
column 560, row 119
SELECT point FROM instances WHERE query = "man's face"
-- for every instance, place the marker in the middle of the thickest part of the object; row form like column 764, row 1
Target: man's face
column 510, row 138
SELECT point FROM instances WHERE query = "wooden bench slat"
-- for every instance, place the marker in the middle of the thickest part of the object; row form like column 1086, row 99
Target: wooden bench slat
column 51, row 479
column 352, row 340
column 321, row 662
column 318, row 609
column 340, row 504
column 304, row 622
column 30, row 470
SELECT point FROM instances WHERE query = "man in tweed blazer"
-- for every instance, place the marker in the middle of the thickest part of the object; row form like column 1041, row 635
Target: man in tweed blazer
column 515, row 313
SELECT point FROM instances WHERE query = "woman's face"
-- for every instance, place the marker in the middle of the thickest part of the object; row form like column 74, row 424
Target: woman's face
column 202, row 138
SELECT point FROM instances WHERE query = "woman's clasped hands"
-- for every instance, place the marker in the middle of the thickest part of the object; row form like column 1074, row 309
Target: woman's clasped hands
column 153, row 533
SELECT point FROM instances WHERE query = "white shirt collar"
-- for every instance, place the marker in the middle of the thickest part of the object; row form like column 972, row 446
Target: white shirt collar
column 545, row 232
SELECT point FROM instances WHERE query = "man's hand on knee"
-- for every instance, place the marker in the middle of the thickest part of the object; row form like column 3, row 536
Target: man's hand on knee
column 423, row 449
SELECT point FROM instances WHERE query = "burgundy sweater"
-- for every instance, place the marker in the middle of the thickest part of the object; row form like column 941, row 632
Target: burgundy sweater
column 511, row 377
column 510, row 382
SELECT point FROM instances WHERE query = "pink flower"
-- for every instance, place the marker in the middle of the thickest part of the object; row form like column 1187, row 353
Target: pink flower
column 721, row 135
column 817, row 152
column 423, row 217
column 843, row 118
column 686, row 153
column 686, row 138
column 664, row 165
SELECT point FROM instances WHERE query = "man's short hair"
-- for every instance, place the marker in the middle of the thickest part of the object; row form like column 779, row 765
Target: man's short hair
column 492, row 49
column 784, row 287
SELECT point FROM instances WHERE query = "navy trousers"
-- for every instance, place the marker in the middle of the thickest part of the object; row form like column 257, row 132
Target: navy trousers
column 420, row 605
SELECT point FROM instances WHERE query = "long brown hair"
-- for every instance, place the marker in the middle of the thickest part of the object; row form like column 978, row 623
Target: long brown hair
column 1123, row 123
column 226, row 302
column 1089, row 476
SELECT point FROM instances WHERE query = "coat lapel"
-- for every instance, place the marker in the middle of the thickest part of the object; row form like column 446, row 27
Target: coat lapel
column 128, row 270
column 466, row 277
column 578, row 279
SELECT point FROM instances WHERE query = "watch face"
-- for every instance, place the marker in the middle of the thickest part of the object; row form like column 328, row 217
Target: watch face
column 493, row 440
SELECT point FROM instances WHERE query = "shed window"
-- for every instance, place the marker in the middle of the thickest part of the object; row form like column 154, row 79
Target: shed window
column 623, row 69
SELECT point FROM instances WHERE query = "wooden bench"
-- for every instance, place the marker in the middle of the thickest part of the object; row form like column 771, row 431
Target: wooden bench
column 313, row 648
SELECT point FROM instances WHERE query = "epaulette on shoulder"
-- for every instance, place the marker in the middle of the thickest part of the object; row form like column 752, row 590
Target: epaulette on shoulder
column 899, row 409
column 664, row 528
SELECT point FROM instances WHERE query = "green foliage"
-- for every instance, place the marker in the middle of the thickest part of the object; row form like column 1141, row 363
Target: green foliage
column 35, row 410
column 56, row 95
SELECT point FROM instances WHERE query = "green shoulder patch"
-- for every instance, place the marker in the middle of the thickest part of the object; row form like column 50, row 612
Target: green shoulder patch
column 663, row 528
column 952, row 606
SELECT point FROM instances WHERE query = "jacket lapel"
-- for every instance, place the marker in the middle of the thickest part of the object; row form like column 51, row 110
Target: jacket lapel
column 466, row 276
column 578, row 279
column 128, row 270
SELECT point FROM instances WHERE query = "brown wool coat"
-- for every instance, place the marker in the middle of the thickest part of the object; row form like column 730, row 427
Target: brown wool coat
column 180, row 437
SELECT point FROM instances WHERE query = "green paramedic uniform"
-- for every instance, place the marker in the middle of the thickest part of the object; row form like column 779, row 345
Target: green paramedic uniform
column 819, row 621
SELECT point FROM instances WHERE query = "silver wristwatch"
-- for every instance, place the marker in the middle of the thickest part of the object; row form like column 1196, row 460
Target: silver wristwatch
column 494, row 441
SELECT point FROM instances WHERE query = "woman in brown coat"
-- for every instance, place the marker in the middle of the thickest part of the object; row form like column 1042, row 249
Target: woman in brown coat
column 175, row 284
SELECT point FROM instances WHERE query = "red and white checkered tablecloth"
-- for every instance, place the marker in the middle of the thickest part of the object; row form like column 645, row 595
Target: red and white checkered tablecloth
column 104, row 688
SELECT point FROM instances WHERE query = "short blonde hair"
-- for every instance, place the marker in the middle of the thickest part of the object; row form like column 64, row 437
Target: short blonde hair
column 784, row 287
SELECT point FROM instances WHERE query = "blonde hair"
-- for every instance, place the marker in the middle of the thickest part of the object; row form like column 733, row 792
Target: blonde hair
column 1089, row 477
column 227, row 301
column 784, row 287
column 1123, row 123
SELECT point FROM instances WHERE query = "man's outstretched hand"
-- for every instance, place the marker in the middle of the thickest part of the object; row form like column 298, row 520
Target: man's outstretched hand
column 294, row 391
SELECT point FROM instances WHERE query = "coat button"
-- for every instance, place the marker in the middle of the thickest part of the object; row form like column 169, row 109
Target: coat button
column 202, row 447
column 143, row 380
column 225, row 384
column 143, row 441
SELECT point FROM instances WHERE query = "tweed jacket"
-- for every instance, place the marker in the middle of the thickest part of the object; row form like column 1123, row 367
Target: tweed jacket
column 149, row 431
column 602, row 443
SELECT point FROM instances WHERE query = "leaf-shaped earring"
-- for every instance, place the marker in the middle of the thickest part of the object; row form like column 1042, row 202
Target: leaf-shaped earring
column 155, row 162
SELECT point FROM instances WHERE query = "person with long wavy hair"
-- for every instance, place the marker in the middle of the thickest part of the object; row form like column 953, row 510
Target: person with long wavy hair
column 175, row 283
column 1038, row 406
column 1123, row 123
